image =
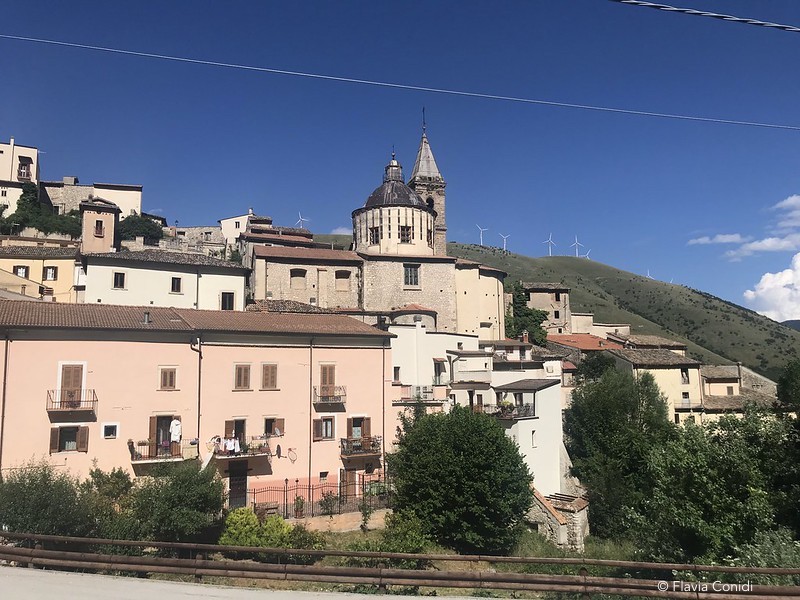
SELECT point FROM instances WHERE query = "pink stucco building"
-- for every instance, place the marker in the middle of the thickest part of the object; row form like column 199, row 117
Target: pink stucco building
column 298, row 396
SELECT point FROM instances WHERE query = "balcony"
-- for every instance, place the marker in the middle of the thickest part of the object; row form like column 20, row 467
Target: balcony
column 362, row 446
column 503, row 411
column 23, row 174
column 145, row 452
column 479, row 375
column 252, row 446
column 64, row 401
column 416, row 393
column 325, row 395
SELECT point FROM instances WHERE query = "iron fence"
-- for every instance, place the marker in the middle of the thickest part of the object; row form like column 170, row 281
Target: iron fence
column 323, row 499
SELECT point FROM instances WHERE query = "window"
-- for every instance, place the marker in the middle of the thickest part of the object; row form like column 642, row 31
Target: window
column 556, row 314
column 3, row 193
column 226, row 301
column 119, row 281
column 430, row 238
column 168, row 378
column 24, row 171
column 99, row 230
column 50, row 274
column 324, row 429
column 22, row 271
column 274, row 427
column 342, row 281
column 685, row 397
column 242, row 377
column 558, row 296
column 374, row 236
column 269, row 377
column 396, row 374
column 411, row 275
column 69, row 439
column 327, row 380
column 110, row 431
column 176, row 285
column 533, row 439
column 297, row 279
column 684, row 376
column 406, row 234
column 236, row 224
column 323, row 477
column 730, row 390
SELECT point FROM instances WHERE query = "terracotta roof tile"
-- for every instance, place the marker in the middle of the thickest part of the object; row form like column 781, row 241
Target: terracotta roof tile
column 528, row 385
column 307, row 254
column 37, row 252
column 288, row 306
column 738, row 402
column 642, row 357
column 539, row 286
column 165, row 257
column 720, row 371
column 582, row 341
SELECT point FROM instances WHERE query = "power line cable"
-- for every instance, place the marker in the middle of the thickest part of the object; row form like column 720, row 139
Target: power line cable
column 402, row 86
column 703, row 13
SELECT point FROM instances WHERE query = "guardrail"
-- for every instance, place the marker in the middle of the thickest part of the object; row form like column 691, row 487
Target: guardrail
column 199, row 564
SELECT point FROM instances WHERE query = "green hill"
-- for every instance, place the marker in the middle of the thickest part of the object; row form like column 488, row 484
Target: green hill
column 713, row 329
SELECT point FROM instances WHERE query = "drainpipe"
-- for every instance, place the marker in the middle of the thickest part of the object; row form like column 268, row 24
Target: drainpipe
column 199, row 350
column 197, row 291
column 310, row 406
column 3, row 410
column 383, row 407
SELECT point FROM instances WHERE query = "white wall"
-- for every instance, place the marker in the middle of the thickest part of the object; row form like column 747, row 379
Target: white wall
column 150, row 285
column 415, row 347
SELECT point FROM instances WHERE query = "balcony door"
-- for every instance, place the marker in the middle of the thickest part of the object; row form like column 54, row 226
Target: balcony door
column 71, row 384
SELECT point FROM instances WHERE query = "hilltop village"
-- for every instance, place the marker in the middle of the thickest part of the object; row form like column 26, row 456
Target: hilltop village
column 255, row 348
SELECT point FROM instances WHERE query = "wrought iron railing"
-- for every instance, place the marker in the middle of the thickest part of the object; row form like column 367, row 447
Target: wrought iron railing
column 330, row 394
column 71, row 400
column 360, row 445
column 255, row 445
column 151, row 451
column 517, row 411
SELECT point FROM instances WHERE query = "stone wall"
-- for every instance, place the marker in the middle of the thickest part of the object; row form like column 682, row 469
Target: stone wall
column 384, row 289
column 274, row 280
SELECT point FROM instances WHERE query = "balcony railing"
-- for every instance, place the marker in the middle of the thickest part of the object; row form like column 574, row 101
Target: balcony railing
column 440, row 379
column 419, row 393
column 361, row 446
column 330, row 394
column 256, row 445
column 71, row 400
column 23, row 175
column 501, row 411
column 480, row 375
column 146, row 452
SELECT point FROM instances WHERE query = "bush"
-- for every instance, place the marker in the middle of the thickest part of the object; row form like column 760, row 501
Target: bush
column 770, row 549
column 301, row 537
column 241, row 529
column 37, row 499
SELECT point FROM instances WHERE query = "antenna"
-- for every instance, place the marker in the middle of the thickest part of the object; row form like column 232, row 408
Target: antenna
column 549, row 241
column 576, row 245
column 301, row 220
column 482, row 229
column 424, row 125
column 505, row 237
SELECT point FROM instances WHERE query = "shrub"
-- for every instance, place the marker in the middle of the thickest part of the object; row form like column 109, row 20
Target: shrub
column 301, row 537
column 242, row 529
column 37, row 499
column 275, row 532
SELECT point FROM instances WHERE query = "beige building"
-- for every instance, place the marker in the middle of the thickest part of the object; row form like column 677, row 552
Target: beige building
column 51, row 269
column 66, row 195
column 16, row 285
column 552, row 298
column 18, row 165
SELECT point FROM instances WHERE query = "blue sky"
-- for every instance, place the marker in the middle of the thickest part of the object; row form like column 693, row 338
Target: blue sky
column 208, row 142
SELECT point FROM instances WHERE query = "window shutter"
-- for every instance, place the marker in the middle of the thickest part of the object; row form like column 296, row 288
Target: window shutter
column 280, row 425
column 53, row 440
column 269, row 379
column 242, row 377
column 317, row 429
column 349, row 428
column 365, row 430
column 83, row 439
column 151, row 436
column 230, row 428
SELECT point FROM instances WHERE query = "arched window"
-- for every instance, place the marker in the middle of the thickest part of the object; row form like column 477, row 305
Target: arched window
column 298, row 279
column 429, row 202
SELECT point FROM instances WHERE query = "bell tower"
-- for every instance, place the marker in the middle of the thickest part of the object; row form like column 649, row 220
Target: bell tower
column 428, row 183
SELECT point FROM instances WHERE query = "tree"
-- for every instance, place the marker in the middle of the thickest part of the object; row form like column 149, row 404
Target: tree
column 31, row 213
column 37, row 499
column 789, row 387
column 609, row 428
column 594, row 365
column 464, row 479
column 523, row 318
column 139, row 226
column 180, row 502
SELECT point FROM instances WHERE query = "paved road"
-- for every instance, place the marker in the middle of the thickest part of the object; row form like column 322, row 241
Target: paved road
column 18, row 583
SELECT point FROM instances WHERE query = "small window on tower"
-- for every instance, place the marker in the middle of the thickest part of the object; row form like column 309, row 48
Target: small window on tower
column 406, row 234
column 99, row 230
column 374, row 236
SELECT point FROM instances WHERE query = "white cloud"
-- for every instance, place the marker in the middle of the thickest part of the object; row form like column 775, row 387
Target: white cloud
column 791, row 217
column 721, row 238
column 787, row 243
column 777, row 295
column 342, row 231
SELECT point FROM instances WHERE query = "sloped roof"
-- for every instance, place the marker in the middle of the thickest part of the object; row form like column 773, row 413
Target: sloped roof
column 165, row 257
column 738, row 402
column 646, row 357
column 306, row 254
column 528, row 385
column 538, row 286
column 287, row 306
column 582, row 341
column 719, row 371
column 425, row 164
column 652, row 341
column 37, row 252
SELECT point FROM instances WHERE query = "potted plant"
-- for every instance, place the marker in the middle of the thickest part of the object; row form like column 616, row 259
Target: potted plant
column 143, row 443
column 299, row 503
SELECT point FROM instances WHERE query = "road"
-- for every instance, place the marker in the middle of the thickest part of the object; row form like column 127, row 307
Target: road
column 22, row 583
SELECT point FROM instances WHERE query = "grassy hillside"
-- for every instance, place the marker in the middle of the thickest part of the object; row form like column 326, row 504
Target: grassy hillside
column 714, row 330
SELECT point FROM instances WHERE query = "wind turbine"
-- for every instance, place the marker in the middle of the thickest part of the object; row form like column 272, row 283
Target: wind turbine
column 550, row 243
column 482, row 229
column 576, row 245
column 505, row 237
column 588, row 252
column 301, row 220
column 648, row 275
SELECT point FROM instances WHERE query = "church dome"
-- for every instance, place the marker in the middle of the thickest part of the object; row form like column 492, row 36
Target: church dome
column 394, row 191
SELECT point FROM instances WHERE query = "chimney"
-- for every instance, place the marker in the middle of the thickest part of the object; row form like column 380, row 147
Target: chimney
column 147, row 317
column 71, row 180
column 524, row 336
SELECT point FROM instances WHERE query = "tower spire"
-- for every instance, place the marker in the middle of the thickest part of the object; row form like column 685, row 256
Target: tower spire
column 424, row 126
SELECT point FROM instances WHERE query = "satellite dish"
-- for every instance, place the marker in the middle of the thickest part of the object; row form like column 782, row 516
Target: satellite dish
column 292, row 455
column 278, row 450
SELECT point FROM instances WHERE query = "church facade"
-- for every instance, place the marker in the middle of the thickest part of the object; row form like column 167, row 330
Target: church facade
column 397, row 269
